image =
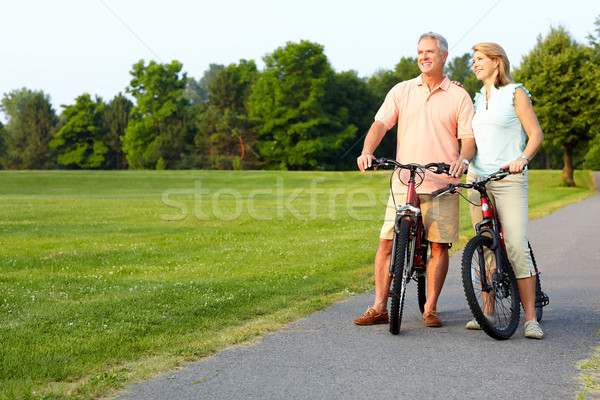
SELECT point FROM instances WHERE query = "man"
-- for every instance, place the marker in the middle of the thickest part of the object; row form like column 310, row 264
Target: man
column 433, row 115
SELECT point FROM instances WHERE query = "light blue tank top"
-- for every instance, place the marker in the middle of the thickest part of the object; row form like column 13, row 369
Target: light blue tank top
column 499, row 135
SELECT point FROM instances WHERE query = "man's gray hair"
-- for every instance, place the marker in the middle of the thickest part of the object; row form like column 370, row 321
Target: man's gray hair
column 442, row 43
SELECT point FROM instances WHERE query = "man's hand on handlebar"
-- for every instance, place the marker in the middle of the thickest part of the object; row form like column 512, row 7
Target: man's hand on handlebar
column 365, row 161
column 458, row 168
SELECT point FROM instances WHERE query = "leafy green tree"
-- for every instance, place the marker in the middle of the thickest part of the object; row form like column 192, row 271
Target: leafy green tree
column 287, row 102
column 194, row 92
column 407, row 68
column 31, row 125
column 460, row 69
column 160, row 128
column 592, row 157
column 381, row 83
column 383, row 80
column 3, row 145
column 80, row 141
column 115, row 121
column 225, row 126
column 555, row 72
column 349, row 102
column 197, row 91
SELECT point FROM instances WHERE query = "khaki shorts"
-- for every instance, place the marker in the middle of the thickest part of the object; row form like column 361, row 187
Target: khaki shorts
column 440, row 217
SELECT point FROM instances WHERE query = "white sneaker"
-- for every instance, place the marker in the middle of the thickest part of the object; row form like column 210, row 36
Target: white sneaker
column 533, row 330
column 473, row 324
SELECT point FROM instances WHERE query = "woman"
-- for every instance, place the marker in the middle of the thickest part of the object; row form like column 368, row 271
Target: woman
column 504, row 116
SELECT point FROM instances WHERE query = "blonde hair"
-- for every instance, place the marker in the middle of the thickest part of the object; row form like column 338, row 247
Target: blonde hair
column 496, row 52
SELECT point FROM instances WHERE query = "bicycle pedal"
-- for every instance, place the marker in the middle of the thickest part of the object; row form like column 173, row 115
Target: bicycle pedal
column 541, row 299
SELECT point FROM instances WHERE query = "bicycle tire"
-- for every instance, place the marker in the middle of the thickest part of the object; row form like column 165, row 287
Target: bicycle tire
column 539, row 295
column 506, row 303
column 422, row 281
column 399, row 281
column 539, row 309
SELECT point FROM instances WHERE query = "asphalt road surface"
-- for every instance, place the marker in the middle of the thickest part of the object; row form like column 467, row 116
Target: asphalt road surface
column 326, row 356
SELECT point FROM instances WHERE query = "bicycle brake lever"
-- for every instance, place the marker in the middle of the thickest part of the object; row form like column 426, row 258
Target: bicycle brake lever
column 379, row 162
column 443, row 168
column 444, row 190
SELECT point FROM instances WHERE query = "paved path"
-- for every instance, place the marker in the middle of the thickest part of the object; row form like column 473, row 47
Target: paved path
column 325, row 356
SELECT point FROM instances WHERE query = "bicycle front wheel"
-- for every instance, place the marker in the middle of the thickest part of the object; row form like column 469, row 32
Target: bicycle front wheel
column 494, row 302
column 399, row 280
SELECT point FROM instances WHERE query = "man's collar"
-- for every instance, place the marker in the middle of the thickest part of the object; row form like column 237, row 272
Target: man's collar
column 444, row 85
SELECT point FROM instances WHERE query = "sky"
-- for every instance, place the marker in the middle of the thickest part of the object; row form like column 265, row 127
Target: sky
column 69, row 47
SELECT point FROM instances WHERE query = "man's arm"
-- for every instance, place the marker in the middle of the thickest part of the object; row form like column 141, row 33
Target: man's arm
column 465, row 131
column 374, row 136
column 467, row 152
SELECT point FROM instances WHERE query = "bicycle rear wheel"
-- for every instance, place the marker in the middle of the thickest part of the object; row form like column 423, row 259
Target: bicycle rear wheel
column 399, row 280
column 422, row 281
column 541, row 299
column 498, row 299
column 539, row 308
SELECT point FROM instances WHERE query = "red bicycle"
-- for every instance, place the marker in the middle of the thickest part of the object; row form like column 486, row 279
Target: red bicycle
column 488, row 278
column 410, row 248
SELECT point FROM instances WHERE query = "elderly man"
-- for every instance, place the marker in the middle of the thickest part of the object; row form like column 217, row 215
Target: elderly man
column 433, row 117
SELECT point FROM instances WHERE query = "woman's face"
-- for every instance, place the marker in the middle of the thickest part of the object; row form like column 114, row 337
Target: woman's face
column 484, row 67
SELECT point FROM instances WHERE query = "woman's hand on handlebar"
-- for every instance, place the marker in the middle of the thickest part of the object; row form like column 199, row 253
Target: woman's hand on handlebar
column 365, row 161
column 516, row 166
column 457, row 168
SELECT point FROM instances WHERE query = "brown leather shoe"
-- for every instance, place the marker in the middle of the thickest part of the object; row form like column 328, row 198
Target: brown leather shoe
column 431, row 319
column 371, row 317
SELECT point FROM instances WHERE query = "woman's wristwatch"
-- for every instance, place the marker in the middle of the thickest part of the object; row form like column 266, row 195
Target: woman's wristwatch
column 526, row 158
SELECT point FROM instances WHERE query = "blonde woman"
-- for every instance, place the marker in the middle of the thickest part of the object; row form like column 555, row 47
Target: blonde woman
column 504, row 119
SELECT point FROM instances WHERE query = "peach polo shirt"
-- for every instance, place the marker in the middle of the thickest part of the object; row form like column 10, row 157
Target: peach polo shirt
column 430, row 124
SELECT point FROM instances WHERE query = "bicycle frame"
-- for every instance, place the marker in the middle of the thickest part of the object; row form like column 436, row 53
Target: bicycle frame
column 412, row 211
column 490, row 225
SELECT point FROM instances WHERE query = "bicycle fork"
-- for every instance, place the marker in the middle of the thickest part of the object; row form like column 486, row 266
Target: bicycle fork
column 412, row 214
column 490, row 225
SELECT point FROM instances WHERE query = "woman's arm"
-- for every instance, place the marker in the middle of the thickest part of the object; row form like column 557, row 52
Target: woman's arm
column 530, row 123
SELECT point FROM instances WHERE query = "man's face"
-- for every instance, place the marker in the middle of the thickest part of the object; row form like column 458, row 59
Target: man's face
column 430, row 57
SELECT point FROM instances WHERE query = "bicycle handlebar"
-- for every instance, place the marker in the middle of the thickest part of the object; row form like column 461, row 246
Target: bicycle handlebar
column 440, row 168
column 451, row 188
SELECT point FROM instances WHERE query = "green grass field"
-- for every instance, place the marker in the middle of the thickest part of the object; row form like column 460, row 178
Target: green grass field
column 111, row 276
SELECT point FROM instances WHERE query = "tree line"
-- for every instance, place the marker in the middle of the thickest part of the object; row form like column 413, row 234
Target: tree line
column 297, row 113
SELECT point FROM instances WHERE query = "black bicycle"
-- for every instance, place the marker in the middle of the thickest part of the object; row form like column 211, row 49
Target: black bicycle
column 488, row 278
column 410, row 248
